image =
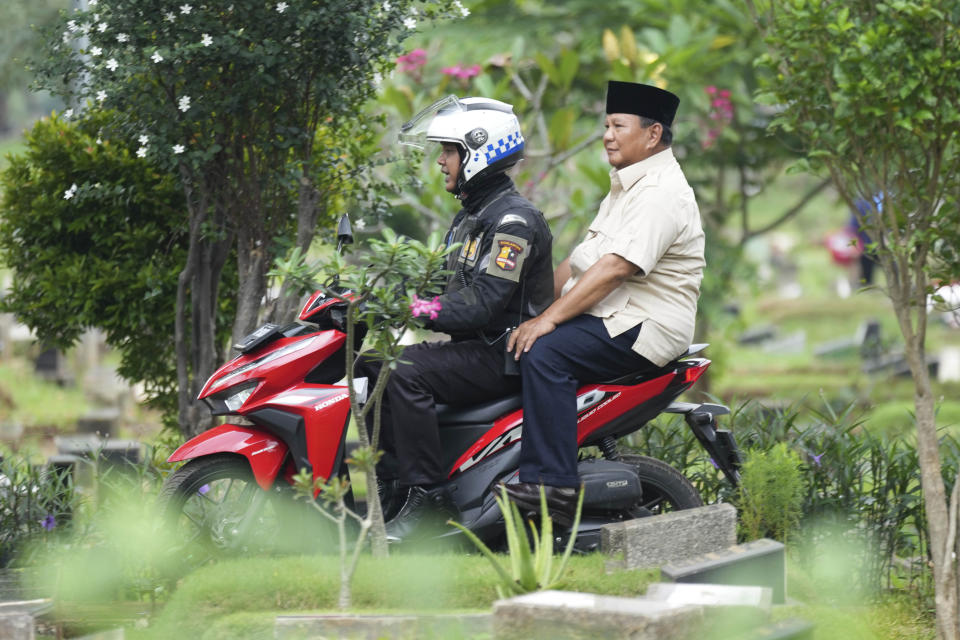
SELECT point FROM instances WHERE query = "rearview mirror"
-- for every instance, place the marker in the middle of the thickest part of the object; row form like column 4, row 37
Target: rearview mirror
column 344, row 232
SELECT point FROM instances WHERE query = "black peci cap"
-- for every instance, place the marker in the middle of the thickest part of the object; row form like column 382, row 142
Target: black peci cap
column 643, row 100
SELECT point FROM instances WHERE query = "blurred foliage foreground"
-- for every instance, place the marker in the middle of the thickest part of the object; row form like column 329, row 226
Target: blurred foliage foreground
column 854, row 523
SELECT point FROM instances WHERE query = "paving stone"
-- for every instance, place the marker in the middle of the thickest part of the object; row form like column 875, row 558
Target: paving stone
column 646, row 543
column 374, row 627
column 712, row 595
column 567, row 615
column 757, row 563
column 16, row 626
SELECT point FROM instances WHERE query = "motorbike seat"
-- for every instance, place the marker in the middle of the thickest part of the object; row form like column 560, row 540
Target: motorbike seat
column 478, row 413
column 636, row 377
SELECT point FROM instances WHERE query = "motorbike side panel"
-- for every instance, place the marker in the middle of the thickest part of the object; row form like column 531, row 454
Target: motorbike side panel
column 619, row 400
column 264, row 452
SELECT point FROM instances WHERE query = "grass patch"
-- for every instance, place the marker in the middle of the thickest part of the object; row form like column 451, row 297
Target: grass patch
column 33, row 402
column 399, row 584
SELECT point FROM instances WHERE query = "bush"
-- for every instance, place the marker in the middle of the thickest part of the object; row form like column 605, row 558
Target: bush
column 771, row 493
column 858, row 485
column 35, row 503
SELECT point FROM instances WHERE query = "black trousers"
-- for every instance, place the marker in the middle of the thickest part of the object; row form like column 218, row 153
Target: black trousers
column 577, row 352
column 455, row 373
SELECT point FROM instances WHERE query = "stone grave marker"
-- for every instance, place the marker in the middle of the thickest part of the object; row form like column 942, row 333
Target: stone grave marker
column 646, row 543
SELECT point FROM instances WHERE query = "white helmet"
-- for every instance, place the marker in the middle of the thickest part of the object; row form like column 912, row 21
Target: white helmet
column 486, row 130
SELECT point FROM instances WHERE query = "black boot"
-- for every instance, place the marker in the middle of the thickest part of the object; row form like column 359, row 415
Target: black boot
column 561, row 501
column 425, row 513
column 392, row 496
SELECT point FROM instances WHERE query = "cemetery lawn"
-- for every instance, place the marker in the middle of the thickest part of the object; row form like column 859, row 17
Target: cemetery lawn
column 32, row 402
column 241, row 598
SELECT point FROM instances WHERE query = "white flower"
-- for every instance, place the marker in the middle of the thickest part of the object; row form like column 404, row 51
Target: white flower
column 72, row 26
column 281, row 7
column 387, row 6
column 66, row 37
column 99, row 141
column 91, row 3
column 69, row 193
column 95, row 51
column 156, row 57
column 101, row 96
column 185, row 9
column 183, row 103
column 112, row 64
column 122, row 37
column 68, row 113
column 178, row 149
column 102, row 27
column 144, row 139
column 169, row 16
column 360, row 224
column 410, row 23
column 142, row 152
column 459, row 6
column 206, row 40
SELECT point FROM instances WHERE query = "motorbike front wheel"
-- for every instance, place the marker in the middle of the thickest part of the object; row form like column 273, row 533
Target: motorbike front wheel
column 215, row 508
column 664, row 488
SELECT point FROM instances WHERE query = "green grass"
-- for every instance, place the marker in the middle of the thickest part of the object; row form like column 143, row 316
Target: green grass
column 240, row 599
column 401, row 583
column 36, row 403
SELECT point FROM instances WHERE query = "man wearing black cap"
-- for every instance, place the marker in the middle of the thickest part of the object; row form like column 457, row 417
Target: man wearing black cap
column 626, row 297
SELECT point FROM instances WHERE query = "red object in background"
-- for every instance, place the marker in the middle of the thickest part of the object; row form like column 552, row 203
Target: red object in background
column 844, row 246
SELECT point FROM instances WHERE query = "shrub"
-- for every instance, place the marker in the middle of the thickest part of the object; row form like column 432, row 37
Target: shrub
column 35, row 503
column 771, row 493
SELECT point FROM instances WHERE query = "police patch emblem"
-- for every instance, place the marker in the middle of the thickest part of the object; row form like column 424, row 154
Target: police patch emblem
column 507, row 255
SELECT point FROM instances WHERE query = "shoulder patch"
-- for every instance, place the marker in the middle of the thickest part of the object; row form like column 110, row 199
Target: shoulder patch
column 512, row 218
column 507, row 254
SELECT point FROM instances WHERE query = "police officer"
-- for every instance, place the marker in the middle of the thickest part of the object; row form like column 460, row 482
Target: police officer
column 502, row 275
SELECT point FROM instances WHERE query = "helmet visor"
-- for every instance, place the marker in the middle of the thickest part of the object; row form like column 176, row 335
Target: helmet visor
column 414, row 132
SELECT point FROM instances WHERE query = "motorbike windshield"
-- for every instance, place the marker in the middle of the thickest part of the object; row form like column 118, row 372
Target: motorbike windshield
column 414, row 132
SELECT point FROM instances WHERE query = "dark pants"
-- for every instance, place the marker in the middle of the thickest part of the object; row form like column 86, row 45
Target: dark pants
column 578, row 352
column 455, row 373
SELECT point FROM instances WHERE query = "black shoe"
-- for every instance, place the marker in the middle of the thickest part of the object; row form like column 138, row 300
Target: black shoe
column 392, row 496
column 425, row 513
column 561, row 501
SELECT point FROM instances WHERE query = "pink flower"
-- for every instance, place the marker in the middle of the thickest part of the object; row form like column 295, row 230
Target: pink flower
column 420, row 307
column 462, row 72
column 413, row 60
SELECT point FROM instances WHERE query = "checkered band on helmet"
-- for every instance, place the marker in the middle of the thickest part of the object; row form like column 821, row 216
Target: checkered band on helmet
column 486, row 129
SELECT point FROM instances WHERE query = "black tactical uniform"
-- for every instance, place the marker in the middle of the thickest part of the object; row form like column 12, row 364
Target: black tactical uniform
column 502, row 275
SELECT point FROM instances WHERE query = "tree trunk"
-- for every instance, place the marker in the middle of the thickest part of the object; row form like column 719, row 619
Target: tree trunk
column 934, row 492
column 195, row 331
column 252, row 286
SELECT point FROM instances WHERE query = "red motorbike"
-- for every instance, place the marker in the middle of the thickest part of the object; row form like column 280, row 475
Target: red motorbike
column 286, row 384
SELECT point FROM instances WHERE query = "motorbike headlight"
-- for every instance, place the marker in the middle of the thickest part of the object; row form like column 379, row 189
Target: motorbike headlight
column 235, row 401
column 230, row 400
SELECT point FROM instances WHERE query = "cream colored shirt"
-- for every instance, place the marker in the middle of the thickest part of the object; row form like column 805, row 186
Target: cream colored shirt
column 650, row 217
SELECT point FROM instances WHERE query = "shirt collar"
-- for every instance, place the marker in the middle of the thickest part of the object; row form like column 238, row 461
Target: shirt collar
column 630, row 175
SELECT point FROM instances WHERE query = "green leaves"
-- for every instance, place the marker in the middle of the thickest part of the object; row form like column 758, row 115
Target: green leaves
column 530, row 569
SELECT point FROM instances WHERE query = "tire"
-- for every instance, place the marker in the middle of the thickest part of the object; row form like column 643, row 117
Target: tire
column 664, row 488
column 214, row 508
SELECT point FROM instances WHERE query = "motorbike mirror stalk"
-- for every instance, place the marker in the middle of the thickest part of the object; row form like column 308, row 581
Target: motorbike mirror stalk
column 344, row 232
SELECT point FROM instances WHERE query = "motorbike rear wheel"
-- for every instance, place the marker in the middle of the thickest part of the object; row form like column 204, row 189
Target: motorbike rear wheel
column 664, row 488
column 215, row 508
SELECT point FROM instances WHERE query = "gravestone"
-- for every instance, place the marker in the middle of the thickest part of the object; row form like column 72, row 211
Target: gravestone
column 757, row 563
column 50, row 365
column 103, row 421
column 558, row 615
column 646, row 543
